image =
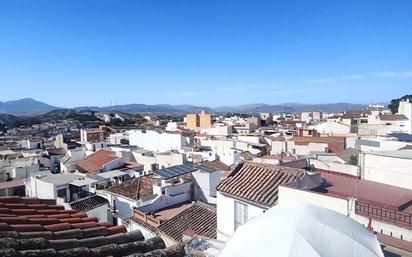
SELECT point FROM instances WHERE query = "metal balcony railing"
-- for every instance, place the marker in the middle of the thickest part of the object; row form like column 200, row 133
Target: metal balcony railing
column 393, row 216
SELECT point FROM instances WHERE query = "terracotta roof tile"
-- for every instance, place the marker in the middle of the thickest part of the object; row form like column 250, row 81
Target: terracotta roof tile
column 89, row 203
column 116, row 230
column 258, row 183
column 84, row 225
column 95, row 162
column 217, row 165
column 62, row 238
column 58, row 227
column 135, row 188
column 200, row 218
column 27, row 227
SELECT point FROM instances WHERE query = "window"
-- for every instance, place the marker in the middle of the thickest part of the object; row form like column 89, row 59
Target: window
column 61, row 193
column 241, row 214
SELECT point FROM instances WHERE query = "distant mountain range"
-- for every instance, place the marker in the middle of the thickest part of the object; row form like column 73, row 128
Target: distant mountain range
column 25, row 106
column 31, row 107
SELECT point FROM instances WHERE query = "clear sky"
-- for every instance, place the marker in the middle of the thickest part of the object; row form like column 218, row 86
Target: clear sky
column 205, row 52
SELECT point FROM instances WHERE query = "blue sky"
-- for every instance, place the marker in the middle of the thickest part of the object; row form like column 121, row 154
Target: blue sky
column 205, row 52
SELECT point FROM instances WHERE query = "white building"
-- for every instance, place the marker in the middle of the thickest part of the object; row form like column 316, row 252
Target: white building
column 305, row 117
column 64, row 187
column 18, row 168
column 218, row 129
column 118, row 138
column 206, row 179
column 333, row 128
column 224, row 149
column 390, row 167
column 157, row 141
column 67, row 163
column 247, row 192
column 405, row 108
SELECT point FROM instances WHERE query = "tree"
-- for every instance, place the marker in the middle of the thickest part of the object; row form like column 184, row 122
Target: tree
column 393, row 106
column 116, row 122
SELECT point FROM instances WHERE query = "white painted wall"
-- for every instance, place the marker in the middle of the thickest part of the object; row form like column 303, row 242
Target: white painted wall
column 205, row 184
column 226, row 216
column 218, row 130
column 43, row 190
column 336, row 167
column 388, row 170
column 117, row 137
column 23, row 172
column 158, row 142
column 278, row 147
column 405, row 108
column 250, row 139
column 168, row 160
column 287, row 194
column 101, row 213
column 163, row 201
column 147, row 161
column 333, row 128
column 124, row 205
column 306, row 149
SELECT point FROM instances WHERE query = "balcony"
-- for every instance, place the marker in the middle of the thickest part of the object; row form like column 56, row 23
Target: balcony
column 392, row 216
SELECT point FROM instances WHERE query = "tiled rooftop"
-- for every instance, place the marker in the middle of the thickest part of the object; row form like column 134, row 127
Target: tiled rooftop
column 200, row 218
column 335, row 144
column 34, row 227
column 217, row 165
column 96, row 161
column 258, row 183
column 392, row 117
column 368, row 192
column 135, row 188
column 173, row 221
column 88, row 203
column 12, row 184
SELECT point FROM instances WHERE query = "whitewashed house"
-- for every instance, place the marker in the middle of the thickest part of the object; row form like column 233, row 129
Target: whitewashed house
column 390, row 167
column 65, row 187
column 247, row 192
column 405, row 108
column 157, row 141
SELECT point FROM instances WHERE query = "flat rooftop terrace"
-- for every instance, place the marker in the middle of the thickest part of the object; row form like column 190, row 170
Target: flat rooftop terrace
column 368, row 192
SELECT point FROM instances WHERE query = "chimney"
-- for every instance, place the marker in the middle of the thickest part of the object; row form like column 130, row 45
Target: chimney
column 310, row 180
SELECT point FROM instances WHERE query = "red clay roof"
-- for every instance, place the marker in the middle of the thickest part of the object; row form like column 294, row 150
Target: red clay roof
column 369, row 192
column 102, row 156
column 217, row 165
column 171, row 211
column 95, row 162
column 335, row 144
column 67, row 233
column 199, row 218
column 135, row 188
column 22, row 214
column 11, row 184
column 258, row 183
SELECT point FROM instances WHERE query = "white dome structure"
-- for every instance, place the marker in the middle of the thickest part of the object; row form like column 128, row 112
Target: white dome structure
column 296, row 230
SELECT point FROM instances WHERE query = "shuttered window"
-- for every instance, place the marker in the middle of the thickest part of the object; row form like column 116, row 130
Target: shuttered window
column 241, row 214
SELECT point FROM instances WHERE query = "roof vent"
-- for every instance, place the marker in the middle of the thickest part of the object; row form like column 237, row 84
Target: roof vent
column 310, row 180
